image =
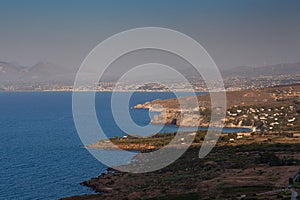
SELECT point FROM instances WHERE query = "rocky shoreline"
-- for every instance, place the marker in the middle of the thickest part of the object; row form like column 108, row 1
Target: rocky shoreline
column 252, row 109
column 249, row 166
column 211, row 177
column 185, row 118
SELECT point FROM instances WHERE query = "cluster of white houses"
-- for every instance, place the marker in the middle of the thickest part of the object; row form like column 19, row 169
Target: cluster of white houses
column 272, row 118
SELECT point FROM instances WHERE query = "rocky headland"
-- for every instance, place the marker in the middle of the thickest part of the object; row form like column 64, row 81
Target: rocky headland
column 247, row 108
column 259, row 165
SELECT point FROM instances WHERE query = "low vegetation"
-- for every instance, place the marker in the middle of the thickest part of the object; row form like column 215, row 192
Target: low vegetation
column 228, row 172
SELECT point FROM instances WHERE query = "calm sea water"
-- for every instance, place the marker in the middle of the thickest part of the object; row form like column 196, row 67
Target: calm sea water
column 41, row 155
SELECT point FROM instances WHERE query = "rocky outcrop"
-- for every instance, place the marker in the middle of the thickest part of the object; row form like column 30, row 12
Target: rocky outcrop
column 145, row 105
column 167, row 117
column 170, row 113
column 190, row 119
column 179, row 118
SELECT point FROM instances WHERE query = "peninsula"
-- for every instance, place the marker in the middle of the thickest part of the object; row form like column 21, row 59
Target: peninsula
column 261, row 164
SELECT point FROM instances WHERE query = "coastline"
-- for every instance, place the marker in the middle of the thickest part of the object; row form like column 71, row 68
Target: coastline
column 154, row 142
column 151, row 91
column 115, row 184
column 269, row 154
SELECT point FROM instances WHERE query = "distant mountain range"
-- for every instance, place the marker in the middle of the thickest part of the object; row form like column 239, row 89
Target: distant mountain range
column 272, row 70
column 39, row 73
column 48, row 73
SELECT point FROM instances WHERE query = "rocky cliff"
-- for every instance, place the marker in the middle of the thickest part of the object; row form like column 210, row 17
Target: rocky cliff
column 245, row 108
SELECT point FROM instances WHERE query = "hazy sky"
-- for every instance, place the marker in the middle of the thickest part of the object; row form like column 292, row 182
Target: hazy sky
column 234, row 32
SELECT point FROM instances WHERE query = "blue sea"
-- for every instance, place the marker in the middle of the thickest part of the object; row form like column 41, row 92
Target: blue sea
column 41, row 155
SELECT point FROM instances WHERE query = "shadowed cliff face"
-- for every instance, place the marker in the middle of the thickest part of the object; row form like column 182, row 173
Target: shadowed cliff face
column 179, row 118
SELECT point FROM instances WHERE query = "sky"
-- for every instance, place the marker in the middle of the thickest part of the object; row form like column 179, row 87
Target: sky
column 234, row 32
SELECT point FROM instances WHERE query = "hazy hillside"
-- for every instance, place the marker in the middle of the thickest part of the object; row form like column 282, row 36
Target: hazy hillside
column 39, row 73
column 42, row 72
column 274, row 70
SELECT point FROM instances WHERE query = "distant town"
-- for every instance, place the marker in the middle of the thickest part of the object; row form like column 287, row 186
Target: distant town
column 230, row 83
